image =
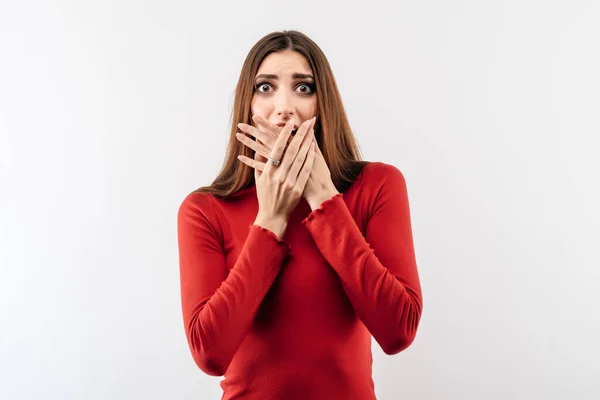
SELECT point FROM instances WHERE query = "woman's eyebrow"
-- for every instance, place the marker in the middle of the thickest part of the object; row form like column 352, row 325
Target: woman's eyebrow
column 294, row 76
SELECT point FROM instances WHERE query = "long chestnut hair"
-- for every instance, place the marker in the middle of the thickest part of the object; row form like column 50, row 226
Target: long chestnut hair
column 332, row 130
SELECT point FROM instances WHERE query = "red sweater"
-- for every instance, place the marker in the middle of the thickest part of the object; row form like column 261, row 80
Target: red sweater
column 293, row 318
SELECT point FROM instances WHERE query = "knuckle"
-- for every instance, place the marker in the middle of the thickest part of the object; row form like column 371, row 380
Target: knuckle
column 289, row 187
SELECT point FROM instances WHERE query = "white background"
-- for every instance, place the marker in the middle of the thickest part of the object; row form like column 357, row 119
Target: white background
column 112, row 111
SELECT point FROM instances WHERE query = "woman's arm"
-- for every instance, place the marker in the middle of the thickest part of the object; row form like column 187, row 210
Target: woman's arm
column 378, row 272
column 218, row 309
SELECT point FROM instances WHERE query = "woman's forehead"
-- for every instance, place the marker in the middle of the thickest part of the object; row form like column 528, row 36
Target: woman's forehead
column 285, row 64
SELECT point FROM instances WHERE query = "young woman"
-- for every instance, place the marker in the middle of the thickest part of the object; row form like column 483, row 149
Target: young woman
column 298, row 251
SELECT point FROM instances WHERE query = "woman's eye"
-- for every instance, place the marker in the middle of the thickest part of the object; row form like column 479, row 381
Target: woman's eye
column 307, row 85
column 258, row 86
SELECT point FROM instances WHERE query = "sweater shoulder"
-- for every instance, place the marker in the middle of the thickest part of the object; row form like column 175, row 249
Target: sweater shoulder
column 378, row 174
column 197, row 208
column 197, row 202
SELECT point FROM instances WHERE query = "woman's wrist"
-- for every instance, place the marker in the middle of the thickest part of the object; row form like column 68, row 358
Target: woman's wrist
column 316, row 203
column 276, row 224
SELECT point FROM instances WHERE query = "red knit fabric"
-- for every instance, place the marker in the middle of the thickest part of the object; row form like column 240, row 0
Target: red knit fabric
column 293, row 318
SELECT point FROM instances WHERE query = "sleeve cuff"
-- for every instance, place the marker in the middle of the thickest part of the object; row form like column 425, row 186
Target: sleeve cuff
column 323, row 208
column 281, row 243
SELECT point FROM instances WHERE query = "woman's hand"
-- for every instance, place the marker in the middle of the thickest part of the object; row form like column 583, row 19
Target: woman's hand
column 280, row 187
column 319, row 186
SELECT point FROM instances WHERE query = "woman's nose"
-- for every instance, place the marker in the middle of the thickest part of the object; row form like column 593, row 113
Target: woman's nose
column 283, row 105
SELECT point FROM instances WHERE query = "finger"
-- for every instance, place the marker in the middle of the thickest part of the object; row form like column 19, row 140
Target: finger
column 258, row 156
column 294, row 146
column 257, row 146
column 307, row 167
column 257, row 133
column 317, row 148
column 279, row 147
column 252, row 163
column 271, row 129
column 257, row 175
column 257, row 172
column 301, row 156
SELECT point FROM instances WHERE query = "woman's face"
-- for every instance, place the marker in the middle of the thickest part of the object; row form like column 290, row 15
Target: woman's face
column 280, row 93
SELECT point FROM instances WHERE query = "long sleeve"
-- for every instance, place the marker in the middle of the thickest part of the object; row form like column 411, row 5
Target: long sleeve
column 378, row 271
column 219, row 308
